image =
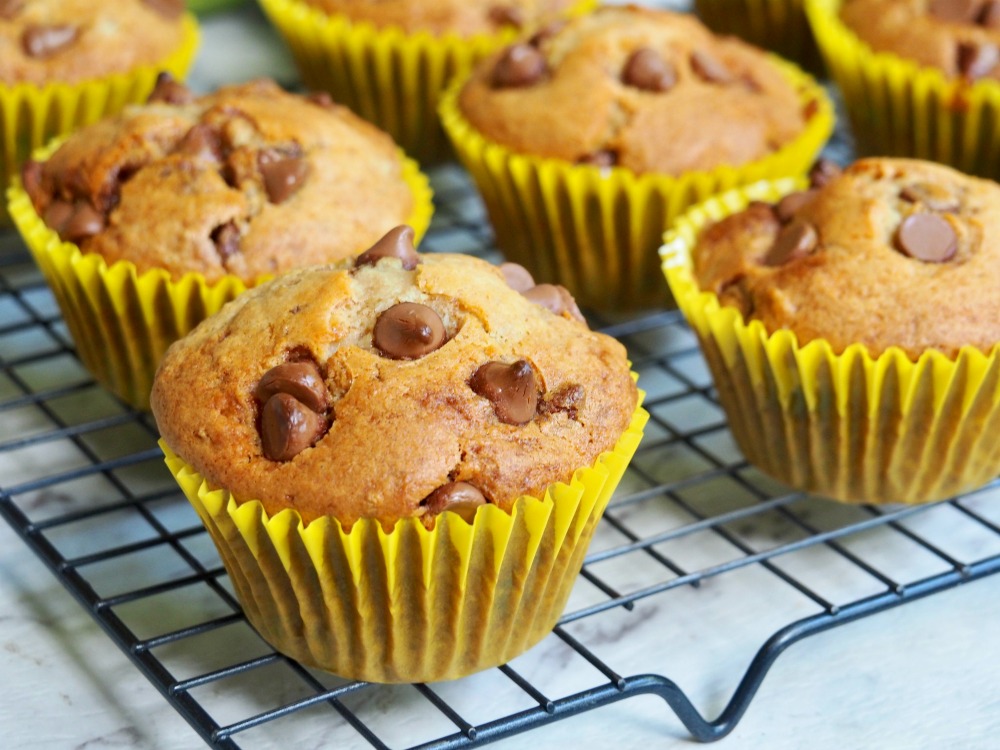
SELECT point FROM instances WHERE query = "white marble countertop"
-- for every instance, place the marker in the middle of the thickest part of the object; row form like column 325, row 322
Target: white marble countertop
column 919, row 676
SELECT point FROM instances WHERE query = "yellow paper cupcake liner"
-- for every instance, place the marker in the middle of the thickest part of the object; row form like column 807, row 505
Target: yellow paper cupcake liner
column 596, row 231
column 31, row 115
column 410, row 604
column 389, row 77
column 777, row 25
column 849, row 426
column 121, row 320
column 899, row 108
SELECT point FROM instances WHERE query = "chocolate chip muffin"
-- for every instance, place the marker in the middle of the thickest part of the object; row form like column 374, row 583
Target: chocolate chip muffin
column 461, row 17
column 661, row 93
column 959, row 37
column 246, row 181
column 472, row 382
column 429, row 447
column 76, row 40
column 851, row 259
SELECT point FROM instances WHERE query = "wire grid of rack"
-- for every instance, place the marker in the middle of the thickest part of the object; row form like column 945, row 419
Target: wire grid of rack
column 82, row 483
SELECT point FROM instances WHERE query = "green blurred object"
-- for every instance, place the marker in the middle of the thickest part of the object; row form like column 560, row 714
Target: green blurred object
column 210, row 6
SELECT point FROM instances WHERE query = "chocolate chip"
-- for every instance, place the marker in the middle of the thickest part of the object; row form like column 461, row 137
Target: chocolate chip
column 408, row 330
column 822, row 172
column 31, row 179
column 520, row 65
column 320, row 99
column 170, row 91
column 458, row 497
column 202, row 141
column 57, row 214
column 710, row 69
column 227, row 240
column 735, row 293
column 977, row 60
column 288, row 427
column 646, row 70
column 517, row 276
column 283, row 174
column 300, row 379
column 933, row 197
column 86, row 221
column 787, row 207
column 45, row 41
column 507, row 15
column 989, row 16
column 546, row 32
column 602, row 158
column 10, row 8
column 397, row 243
column 167, row 8
column 926, row 237
column 958, row 11
column 568, row 399
column 512, row 390
column 555, row 298
column 796, row 240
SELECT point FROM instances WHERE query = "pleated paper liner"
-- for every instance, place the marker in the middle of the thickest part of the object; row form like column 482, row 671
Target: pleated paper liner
column 596, row 231
column 410, row 604
column 848, row 426
column 389, row 77
column 121, row 320
column 777, row 25
column 30, row 115
column 899, row 108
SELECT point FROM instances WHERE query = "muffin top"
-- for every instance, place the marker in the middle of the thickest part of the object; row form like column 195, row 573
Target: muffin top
column 648, row 90
column 393, row 386
column 74, row 40
column 892, row 252
column 959, row 37
column 249, row 180
column 462, row 17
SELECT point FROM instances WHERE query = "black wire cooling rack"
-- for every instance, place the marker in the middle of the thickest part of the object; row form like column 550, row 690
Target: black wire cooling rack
column 83, row 484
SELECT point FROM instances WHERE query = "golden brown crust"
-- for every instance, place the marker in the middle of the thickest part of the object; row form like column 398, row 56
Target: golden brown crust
column 697, row 124
column 167, row 205
column 111, row 36
column 462, row 17
column 401, row 428
column 909, row 29
column 858, row 286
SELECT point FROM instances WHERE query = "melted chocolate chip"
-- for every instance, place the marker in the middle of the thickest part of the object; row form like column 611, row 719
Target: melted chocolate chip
column 555, row 298
column 517, row 276
column 710, row 69
column 167, row 8
column 956, row 11
column 226, row 238
column 44, row 41
column 927, row 237
column 408, row 331
column 822, row 172
column 57, row 214
column 796, row 240
column 933, row 197
column 989, row 16
column 787, row 207
column 170, row 91
column 512, row 389
column 546, row 32
column 10, row 8
column 520, row 65
column 202, row 141
column 602, row 158
column 507, row 15
column 977, row 60
column 283, row 175
column 31, row 179
column 397, row 243
column 299, row 379
column 568, row 400
column 458, row 497
column 288, row 427
column 86, row 221
column 646, row 70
